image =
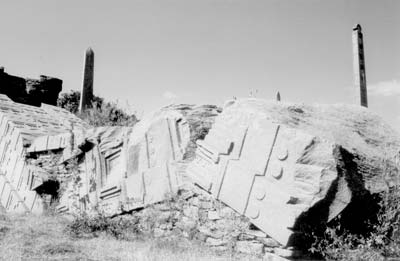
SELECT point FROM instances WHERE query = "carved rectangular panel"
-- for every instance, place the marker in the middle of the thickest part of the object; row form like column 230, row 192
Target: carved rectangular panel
column 236, row 177
column 112, row 162
column 239, row 176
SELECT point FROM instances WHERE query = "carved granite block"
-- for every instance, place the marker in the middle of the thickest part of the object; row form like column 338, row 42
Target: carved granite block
column 259, row 174
column 20, row 124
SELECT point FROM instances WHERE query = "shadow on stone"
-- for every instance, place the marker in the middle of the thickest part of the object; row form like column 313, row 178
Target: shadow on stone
column 356, row 218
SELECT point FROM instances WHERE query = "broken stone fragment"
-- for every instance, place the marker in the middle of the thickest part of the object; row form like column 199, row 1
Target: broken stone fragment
column 215, row 242
column 286, row 165
column 24, row 165
column 191, row 212
column 268, row 242
column 213, row 215
column 249, row 247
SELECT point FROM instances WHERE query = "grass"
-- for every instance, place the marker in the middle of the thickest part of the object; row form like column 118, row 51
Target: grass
column 30, row 237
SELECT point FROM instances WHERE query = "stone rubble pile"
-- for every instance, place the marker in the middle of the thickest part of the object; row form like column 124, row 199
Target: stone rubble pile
column 195, row 214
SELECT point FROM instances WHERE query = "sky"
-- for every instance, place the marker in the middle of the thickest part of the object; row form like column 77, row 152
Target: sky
column 150, row 53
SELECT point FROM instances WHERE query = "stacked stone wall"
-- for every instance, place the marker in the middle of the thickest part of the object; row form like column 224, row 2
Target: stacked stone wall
column 195, row 214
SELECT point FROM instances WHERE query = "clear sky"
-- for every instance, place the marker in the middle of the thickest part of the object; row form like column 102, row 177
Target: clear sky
column 149, row 53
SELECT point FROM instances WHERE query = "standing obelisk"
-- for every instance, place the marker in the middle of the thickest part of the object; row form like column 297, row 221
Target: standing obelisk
column 360, row 80
column 87, row 85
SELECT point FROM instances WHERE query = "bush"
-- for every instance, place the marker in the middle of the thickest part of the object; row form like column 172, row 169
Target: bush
column 84, row 226
column 101, row 114
column 381, row 242
column 107, row 114
column 70, row 101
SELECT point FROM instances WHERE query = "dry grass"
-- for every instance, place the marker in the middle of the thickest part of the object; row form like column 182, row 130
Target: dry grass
column 32, row 237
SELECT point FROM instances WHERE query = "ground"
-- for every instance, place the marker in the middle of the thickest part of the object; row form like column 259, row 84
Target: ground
column 30, row 237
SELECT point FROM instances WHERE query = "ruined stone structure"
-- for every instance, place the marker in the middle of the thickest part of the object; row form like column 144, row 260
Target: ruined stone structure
column 87, row 84
column 120, row 168
column 266, row 168
column 360, row 79
column 126, row 169
column 20, row 124
column 30, row 91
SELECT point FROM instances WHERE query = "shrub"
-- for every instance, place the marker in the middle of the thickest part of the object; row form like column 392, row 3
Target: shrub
column 101, row 114
column 382, row 240
column 107, row 114
column 70, row 101
column 84, row 226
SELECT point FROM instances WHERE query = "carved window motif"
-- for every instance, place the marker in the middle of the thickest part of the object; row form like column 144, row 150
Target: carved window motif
column 112, row 161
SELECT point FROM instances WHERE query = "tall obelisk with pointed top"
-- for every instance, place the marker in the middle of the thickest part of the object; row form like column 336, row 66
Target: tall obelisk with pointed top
column 360, row 79
column 87, row 85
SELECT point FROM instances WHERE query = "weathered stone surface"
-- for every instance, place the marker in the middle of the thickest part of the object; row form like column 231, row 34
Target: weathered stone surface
column 200, row 119
column 213, row 215
column 21, row 184
column 159, row 232
column 30, row 91
column 245, row 236
column 226, row 212
column 128, row 168
column 186, row 224
column 278, row 163
column 273, row 257
column 249, row 247
column 125, row 168
column 270, row 164
column 154, row 148
column 257, row 233
column 191, row 212
column 205, row 204
column 164, row 217
column 215, row 242
column 268, row 242
column 287, row 252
